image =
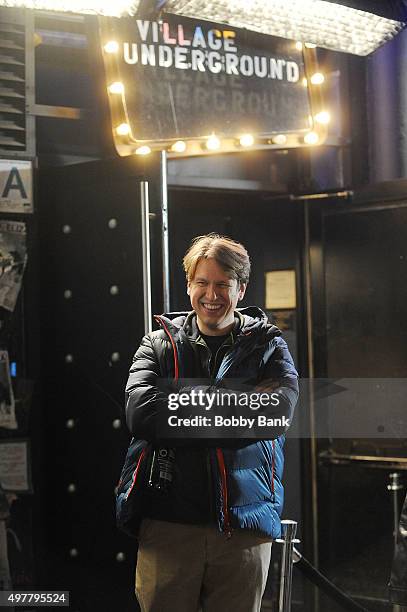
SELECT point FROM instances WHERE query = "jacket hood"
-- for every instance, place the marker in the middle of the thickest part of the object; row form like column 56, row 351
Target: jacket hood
column 253, row 320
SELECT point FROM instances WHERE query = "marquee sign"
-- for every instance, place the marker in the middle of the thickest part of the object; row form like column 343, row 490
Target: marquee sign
column 180, row 79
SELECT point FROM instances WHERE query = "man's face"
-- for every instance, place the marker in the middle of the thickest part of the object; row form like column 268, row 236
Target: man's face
column 214, row 296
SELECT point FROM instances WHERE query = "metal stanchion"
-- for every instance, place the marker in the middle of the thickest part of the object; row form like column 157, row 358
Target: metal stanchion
column 289, row 529
column 290, row 556
column 395, row 486
column 145, row 233
column 165, row 233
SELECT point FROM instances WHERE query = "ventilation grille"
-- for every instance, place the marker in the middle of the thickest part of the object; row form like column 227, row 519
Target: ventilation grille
column 13, row 103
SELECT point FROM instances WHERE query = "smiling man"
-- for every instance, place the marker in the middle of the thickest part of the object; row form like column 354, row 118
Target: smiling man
column 214, row 295
column 205, row 510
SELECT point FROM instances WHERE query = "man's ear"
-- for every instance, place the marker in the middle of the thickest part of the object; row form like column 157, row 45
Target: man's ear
column 242, row 290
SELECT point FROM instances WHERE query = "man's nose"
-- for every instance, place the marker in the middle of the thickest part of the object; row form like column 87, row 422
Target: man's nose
column 211, row 293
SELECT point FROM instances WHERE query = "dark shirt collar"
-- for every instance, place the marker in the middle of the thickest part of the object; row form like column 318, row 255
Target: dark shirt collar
column 192, row 330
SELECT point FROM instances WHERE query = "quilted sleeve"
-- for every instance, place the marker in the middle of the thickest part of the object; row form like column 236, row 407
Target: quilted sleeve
column 144, row 398
column 279, row 375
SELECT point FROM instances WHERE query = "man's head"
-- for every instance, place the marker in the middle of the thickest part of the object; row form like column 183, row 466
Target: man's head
column 217, row 271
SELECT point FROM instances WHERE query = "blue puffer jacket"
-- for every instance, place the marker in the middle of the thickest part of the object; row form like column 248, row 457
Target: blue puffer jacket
column 245, row 475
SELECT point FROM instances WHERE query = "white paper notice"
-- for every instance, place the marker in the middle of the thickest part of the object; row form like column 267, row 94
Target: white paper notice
column 280, row 289
column 14, row 474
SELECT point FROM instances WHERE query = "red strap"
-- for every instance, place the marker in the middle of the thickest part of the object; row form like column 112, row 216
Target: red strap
column 140, row 459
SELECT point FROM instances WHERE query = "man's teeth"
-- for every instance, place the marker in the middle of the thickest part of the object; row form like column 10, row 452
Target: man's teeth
column 212, row 306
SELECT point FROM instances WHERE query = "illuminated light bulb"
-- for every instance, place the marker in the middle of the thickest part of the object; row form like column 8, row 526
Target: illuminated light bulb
column 298, row 45
column 311, row 138
column 143, row 150
column 323, row 117
column 341, row 28
column 310, row 45
column 111, row 47
column 179, row 146
column 280, row 139
column 304, row 82
column 246, row 140
column 123, row 129
column 317, row 78
column 116, row 88
column 213, row 143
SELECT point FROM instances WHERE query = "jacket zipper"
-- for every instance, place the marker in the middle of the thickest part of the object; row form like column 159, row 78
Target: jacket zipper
column 226, row 517
column 273, row 442
column 135, row 473
column 212, row 363
column 213, row 359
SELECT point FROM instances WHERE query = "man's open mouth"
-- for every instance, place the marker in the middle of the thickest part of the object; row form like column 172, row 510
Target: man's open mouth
column 212, row 307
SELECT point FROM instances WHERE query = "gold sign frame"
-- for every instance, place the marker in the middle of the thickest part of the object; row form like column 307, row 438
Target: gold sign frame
column 127, row 143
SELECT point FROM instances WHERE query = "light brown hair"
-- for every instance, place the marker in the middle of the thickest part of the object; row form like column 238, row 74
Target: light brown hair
column 230, row 255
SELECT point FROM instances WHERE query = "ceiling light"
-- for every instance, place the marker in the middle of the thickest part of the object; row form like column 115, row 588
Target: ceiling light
column 298, row 46
column 117, row 8
column 317, row 78
column 311, row 138
column 323, row 117
column 213, row 143
column 246, row 140
column 324, row 23
column 179, row 146
column 116, row 88
column 123, row 129
column 111, row 47
column 143, row 150
column 320, row 22
column 279, row 139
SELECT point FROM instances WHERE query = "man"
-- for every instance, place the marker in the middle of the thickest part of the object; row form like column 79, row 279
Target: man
column 214, row 505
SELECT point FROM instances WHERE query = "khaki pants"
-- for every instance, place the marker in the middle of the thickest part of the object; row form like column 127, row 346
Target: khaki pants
column 185, row 568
